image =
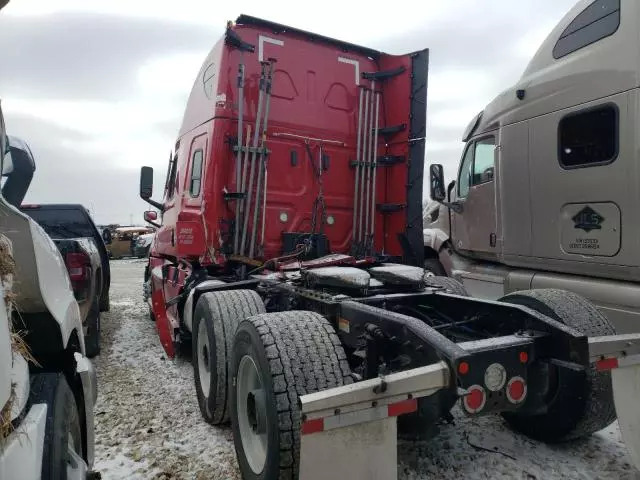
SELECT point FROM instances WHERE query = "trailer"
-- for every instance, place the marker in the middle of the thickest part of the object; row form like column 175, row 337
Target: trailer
column 289, row 256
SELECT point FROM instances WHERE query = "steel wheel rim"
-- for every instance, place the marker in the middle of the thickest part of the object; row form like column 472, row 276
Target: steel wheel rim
column 251, row 410
column 204, row 353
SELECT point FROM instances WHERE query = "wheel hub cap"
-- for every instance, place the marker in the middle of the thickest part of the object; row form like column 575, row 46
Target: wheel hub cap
column 252, row 414
column 204, row 372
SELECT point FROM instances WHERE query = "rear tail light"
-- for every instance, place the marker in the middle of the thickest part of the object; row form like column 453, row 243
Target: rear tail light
column 78, row 266
column 495, row 377
column 475, row 399
column 516, row 390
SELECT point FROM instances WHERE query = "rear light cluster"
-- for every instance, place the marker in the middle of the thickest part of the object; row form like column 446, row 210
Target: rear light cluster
column 495, row 383
column 79, row 268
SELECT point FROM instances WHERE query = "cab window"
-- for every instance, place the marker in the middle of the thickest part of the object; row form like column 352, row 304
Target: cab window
column 196, row 173
column 464, row 179
column 477, row 165
column 483, row 161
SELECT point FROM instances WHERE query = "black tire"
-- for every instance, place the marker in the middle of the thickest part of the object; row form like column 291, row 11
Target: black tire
column 221, row 313
column 434, row 266
column 449, row 285
column 92, row 338
column 105, row 302
column 63, row 419
column 580, row 403
column 296, row 352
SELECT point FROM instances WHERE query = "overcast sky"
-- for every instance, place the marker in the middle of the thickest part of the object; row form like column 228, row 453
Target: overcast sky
column 98, row 87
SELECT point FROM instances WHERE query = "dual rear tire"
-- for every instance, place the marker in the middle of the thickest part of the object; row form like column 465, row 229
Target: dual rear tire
column 251, row 366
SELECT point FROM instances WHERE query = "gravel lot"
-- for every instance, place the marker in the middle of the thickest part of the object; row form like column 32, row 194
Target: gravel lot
column 149, row 425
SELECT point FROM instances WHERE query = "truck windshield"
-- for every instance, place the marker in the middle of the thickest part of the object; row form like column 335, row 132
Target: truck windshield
column 61, row 223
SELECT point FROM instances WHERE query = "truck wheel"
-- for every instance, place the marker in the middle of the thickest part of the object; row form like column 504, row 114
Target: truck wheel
column 146, row 295
column 92, row 338
column 105, row 304
column 216, row 317
column 275, row 358
column 450, row 285
column 579, row 403
column 63, row 432
column 432, row 266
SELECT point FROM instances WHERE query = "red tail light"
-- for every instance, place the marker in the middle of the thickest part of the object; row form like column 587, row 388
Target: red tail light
column 78, row 266
column 475, row 399
column 516, row 390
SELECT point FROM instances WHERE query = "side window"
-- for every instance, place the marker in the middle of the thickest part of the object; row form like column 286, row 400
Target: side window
column 599, row 20
column 464, row 178
column 196, row 173
column 477, row 165
column 171, row 178
column 588, row 138
column 484, row 159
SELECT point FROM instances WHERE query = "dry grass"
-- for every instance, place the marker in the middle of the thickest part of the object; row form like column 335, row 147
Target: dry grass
column 6, row 427
column 18, row 344
column 7, row 263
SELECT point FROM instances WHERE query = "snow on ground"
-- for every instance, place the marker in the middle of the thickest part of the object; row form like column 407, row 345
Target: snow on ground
column 148, row 425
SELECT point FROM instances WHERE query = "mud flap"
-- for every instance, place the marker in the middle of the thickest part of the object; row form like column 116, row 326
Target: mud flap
column 621, row 355
column 369, row 449
column 626, row 391
column 163, row 324
column 351, row 431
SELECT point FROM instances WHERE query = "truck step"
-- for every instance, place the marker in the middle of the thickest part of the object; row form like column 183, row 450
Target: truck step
column 234, row 196
column 381, row 161
column 391, row 130
column 391, row 207
column 383, row 75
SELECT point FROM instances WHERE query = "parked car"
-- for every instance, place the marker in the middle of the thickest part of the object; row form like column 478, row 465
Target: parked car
column 80, row 243
column 143, row 245
column 123, row 241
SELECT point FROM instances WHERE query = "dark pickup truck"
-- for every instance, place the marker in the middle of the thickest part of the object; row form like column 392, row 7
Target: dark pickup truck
column 76, row 236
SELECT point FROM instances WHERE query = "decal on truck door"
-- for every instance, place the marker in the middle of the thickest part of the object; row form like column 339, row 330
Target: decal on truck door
column 588, row 219
column 591, row 230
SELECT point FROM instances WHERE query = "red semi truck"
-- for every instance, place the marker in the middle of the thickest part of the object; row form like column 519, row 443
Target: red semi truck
column 289, row 254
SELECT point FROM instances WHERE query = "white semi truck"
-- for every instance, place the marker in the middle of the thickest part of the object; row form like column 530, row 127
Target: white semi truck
column 548, row 187
column 47, row 385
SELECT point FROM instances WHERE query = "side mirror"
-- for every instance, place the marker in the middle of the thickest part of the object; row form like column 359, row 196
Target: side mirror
column 150, row 216
column 146, row 187
column 436, row 180
column 146, row 183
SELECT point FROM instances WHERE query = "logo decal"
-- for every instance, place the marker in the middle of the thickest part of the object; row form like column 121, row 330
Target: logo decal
column 588, row 219
column 208, row 79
